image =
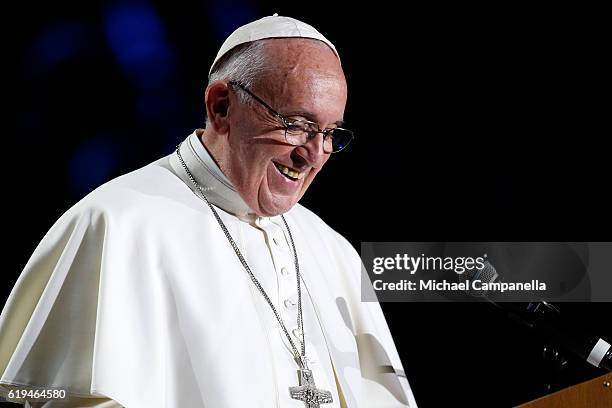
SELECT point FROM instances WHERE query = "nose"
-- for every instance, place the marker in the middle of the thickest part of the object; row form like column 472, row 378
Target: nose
column 312, row 151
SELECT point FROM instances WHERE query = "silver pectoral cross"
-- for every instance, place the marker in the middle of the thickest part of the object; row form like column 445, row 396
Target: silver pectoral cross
column 307, row 392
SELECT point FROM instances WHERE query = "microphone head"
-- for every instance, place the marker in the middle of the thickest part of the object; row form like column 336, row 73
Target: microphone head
column 486, row 274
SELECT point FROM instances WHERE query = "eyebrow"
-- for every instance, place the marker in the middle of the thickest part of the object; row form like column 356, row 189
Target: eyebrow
column 311, row 117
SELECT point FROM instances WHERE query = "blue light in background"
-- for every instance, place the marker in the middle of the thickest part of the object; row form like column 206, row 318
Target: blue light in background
column 137, row 38
column 92, row 164
column 55, row 44
column 226, row 16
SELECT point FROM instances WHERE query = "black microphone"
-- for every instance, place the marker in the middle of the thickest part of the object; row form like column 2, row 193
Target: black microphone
column 545, row 319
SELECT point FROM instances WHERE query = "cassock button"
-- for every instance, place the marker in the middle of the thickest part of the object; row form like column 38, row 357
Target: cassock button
column 290, row 303
column 284, row 271
column 296, row 333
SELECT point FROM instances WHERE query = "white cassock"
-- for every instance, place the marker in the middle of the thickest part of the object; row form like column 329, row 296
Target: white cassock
column 135, row 298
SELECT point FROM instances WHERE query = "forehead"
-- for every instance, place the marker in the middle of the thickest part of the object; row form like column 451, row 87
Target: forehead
column 304, row 75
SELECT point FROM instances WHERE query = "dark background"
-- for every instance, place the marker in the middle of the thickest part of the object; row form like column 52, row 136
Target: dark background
column 472, row 123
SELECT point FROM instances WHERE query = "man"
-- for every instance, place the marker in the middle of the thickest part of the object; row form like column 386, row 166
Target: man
column 198, row 281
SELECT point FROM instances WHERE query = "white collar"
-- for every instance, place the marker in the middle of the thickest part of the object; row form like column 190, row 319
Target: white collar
column 207, row 160
column 216, row 186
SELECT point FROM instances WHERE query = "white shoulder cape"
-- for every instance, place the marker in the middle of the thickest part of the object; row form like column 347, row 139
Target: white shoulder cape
column 126, row 296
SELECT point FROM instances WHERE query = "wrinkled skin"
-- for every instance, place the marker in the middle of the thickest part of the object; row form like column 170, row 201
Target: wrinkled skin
column 304, row 77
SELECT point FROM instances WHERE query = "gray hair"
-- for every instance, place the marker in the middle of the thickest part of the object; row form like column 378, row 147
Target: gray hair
column 245, row 64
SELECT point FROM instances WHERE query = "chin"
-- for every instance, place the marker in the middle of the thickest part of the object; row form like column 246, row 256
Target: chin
column 274, row 208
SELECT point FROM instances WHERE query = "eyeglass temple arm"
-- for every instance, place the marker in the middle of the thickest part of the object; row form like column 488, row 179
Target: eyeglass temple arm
column 258, row 99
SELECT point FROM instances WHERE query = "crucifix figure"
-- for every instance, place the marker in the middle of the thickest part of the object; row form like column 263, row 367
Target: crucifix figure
column 308, row 393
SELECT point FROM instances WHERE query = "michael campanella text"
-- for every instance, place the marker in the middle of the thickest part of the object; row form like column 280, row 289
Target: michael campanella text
column 444, row 285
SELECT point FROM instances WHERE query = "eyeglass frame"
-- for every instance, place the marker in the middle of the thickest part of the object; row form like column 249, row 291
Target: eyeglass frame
column 286, row 122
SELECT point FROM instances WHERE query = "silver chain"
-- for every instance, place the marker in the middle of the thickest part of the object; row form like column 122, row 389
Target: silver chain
column 299, row 358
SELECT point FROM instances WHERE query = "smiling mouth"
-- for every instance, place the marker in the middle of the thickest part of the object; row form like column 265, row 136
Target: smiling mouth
column 289, row 173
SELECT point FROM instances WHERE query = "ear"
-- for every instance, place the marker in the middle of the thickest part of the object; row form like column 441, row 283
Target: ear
column 217, row 101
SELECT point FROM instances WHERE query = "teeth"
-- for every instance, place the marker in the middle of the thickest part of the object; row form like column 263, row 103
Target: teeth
column 291, row 173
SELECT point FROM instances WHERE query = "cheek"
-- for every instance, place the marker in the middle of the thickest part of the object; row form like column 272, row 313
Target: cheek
column 252, row 154
column 256, row 162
